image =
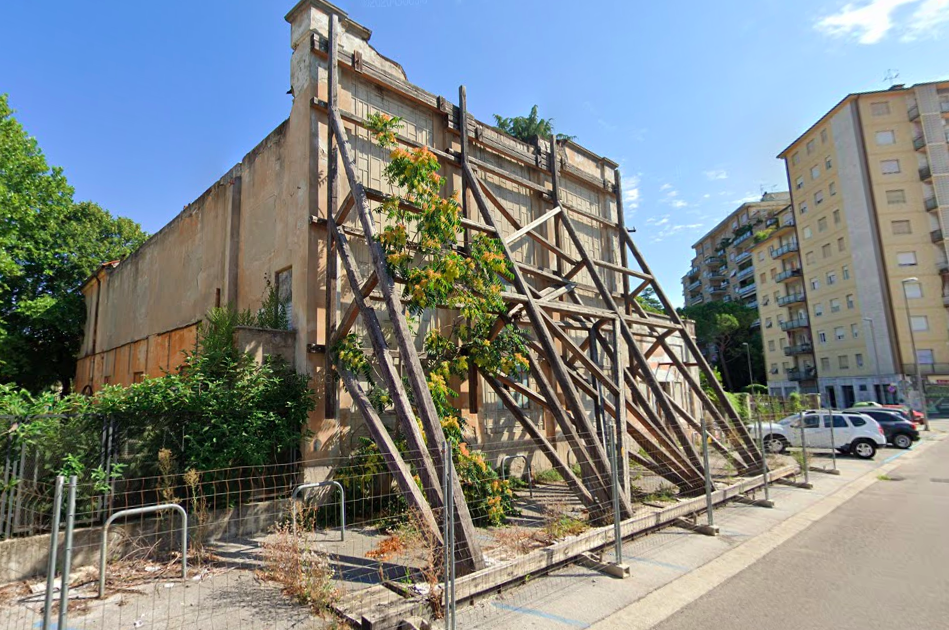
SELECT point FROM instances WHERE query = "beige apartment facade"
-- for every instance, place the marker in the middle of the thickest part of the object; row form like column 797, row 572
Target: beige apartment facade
column 869, row 184
column 723, row 268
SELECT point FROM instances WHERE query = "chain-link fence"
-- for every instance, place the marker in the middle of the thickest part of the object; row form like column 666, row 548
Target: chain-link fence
column 273, row 547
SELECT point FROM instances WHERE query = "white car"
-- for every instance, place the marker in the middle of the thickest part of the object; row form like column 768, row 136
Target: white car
column 853, row 433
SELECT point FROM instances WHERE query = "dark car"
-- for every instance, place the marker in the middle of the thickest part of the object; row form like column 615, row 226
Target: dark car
column 898, row 431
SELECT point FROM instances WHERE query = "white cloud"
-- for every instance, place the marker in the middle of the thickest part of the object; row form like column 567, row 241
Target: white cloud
column 657, row 221
column 718, row 173
column 678, row 203
column 665, row 187
column 749, row 196
column 631, row 192
column 706, row 196
column 871, row 20
column 926, row 19
column 672, row 230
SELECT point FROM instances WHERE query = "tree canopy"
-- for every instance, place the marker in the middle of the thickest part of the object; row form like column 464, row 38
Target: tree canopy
column 526, row 127
column 49, row 244
column 721, row 329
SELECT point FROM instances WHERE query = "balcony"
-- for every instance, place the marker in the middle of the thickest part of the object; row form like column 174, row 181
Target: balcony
column 919, row 142
column 787, row 275
column 801, row 348
column 771, row 222
column 698, row 299
column 913, row 113
column 714, row 274
column 784, row 250
column 756, row 323
column 909, row 369
column 793, row 324
column 693, row 272
column 746, row 272
column 746, row 290
column 722, row 288
column 714, row 261
column 697, row 285
column 925, row 174
column 942, row 267
column 742, row 257
column 742, row 238
column 752, row 304
column 798, row 374
column 936, row 236
column 784, row 300
column 930, row 203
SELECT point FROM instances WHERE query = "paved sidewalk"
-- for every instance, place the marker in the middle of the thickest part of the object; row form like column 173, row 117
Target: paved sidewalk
column 578, row 597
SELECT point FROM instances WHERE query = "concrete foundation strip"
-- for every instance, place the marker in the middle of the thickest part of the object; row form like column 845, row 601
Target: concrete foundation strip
column 546, row 559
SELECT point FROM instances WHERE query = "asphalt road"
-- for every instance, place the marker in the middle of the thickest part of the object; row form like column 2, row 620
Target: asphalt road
column 881, row 560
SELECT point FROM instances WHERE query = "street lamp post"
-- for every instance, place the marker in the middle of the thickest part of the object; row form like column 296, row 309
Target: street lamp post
column 912, row 341
column 876, row 355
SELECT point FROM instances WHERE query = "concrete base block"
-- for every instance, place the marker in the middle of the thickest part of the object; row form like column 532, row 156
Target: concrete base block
column 797, row 484
column 707, row 530
column 614, row 569
column 826, row 471
column 765, row 503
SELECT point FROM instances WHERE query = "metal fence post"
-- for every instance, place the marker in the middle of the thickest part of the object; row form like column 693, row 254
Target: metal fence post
column 708, row 475
column 764, row 457
column 449, row 537
column 614, row 480
column 53, row 544
column 805, row 463
column 67, row 553
column 833, row 440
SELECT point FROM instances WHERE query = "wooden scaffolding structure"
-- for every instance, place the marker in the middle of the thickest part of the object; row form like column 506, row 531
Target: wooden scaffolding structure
column 579, row 383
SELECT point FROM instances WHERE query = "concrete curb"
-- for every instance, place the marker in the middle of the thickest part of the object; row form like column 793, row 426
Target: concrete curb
column 669, row 599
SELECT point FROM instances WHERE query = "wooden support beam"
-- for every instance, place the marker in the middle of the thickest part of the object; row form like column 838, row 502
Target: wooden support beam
column 330, row 389
column 540, row 240
column 352, row 312
column 598, row 455
column 532, row 225
column 390, row 453
column 376, row 195
column 545, row 447
column 638, row 358
column 621, row 222
column 749, row 449
column 400, row 399
column 472, row 558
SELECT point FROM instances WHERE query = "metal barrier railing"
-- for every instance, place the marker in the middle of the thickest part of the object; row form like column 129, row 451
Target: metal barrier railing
column 103, row 548
column 527, row 467
column 321, row 484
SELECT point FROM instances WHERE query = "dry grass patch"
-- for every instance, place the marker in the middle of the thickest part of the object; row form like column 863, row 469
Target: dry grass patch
column 301, row 569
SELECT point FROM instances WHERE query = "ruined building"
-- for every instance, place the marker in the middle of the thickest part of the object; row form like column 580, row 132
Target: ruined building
column 283, row 212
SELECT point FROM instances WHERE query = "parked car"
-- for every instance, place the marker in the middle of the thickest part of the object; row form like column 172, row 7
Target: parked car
column 853, row 433
column 909, row 414
column 899, row 432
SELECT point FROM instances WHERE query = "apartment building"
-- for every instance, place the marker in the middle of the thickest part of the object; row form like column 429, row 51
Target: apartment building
column 857, row 269
column 723, row 268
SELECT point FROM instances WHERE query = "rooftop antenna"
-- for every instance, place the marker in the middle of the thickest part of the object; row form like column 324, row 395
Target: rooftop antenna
column 891, row 76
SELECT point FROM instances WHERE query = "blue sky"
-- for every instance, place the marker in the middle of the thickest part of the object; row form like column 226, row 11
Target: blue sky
column 146, row 104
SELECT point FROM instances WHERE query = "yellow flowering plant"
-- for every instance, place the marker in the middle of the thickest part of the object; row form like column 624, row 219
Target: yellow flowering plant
column 420, row 238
